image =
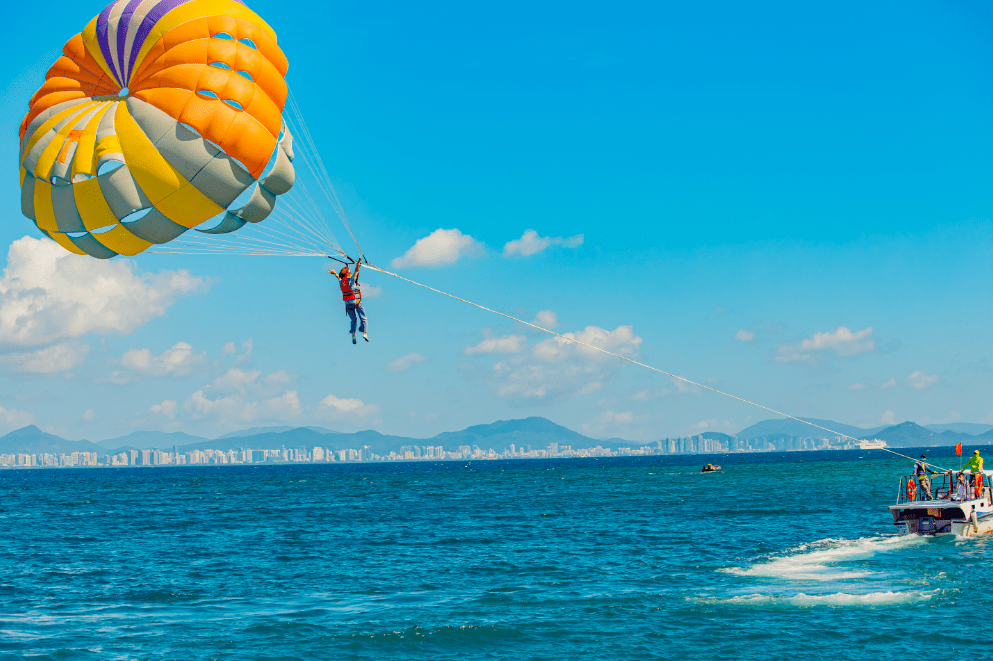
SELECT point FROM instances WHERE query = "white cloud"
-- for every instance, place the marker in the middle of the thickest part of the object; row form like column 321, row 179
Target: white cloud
column 370, row 291
column 497, row 345
column 242, row 382
column 235, row 410
column 556, row 368
column 179, row 360
column 405, row 363
column 888, row 418
column 236, row 380
column 48, row 294
column 89, row 415
column 438, row 248
column 857, row 386
column 167, row 408
column 60, row 357
column 841, row 340
column 546, row 319
column 336, row 408
column 889, row 384
column 531, row 244
column 920, row 380
column 14, row 419
column 744, row 335
column 246, row 350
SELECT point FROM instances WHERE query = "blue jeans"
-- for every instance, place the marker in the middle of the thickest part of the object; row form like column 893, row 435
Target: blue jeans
column 351, row 309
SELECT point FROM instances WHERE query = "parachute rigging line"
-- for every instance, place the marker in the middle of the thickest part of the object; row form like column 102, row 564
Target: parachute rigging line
column 630, row 360
column 313, row 156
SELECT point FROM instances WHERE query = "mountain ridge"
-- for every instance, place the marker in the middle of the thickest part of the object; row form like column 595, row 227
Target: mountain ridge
column 534, row 431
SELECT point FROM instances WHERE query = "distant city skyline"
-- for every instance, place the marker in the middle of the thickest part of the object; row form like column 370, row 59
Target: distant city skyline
column 318, row 454
column 255, row 448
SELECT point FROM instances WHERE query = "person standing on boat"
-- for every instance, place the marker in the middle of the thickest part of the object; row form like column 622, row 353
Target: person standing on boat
column 975, row 463
column 921, row 471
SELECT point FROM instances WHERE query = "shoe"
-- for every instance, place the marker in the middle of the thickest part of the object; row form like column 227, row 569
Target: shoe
column 354, row 341
column 365, row 336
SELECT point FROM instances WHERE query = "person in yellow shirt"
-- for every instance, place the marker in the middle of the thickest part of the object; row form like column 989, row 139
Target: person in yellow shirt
column 975, row 463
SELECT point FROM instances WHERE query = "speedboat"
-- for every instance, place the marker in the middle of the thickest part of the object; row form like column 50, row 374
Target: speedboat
column 710, row 468
column 956, row 504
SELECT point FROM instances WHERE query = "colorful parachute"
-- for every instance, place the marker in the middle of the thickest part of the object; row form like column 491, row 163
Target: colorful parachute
column 157, row 117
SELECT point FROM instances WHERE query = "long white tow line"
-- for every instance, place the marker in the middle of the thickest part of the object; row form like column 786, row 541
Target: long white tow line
column 631, row 360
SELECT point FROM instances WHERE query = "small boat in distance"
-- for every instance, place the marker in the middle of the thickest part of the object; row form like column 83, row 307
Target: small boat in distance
column 874, row 444
column 955, row 504
column 710, row 468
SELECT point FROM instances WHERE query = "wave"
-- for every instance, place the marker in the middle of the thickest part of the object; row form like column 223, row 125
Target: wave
column 802, row 600
column 818, row 561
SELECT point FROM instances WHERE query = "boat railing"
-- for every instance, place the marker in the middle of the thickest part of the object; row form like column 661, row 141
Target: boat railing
column 942, row 487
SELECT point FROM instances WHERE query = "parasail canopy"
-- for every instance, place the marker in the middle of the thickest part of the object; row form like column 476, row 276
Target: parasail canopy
column 158, row 117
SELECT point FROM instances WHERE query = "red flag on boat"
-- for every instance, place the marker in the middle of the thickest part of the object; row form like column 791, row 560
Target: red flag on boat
column 958, row 448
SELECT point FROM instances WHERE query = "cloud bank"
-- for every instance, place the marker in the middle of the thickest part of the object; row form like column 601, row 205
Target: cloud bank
column 438, row 248
column 532, row 244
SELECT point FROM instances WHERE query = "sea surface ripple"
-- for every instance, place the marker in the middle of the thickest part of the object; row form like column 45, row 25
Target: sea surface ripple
column 780, row 554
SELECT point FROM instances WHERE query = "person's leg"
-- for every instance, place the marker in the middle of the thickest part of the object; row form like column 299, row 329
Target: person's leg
column 362, row 320
column 350, row 311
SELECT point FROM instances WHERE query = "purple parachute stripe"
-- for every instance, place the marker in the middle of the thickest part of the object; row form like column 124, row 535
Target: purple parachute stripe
column 102, row 29
column 122, row 36
column 147, row 23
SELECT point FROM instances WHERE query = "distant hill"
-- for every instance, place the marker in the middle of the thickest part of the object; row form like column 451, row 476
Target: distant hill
column 536, row 432
column 300, row 437
column 255, row 431
column 910, row 435
column 970, row 428
column 718, row 436
column 31, row 440
column 787, row 427
column 145, row 440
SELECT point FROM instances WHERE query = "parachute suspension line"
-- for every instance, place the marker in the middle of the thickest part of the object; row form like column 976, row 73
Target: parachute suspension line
column 318, row 224
column 313, row 158
column 298, row 222
column 630, row 360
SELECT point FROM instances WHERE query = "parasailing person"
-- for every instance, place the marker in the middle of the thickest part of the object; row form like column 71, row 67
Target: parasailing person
column 352, row 295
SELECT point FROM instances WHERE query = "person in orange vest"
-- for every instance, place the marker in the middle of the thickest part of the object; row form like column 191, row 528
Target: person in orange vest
column 352, row 295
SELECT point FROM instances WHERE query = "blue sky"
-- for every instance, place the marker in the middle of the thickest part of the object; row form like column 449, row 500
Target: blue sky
column 788, row 202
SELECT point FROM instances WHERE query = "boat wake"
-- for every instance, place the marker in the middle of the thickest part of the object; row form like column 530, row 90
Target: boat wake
column 825, row 560
column 829, row 572
column 837, row 599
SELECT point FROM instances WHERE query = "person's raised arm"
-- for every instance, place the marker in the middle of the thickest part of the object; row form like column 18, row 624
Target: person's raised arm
column 332, row 272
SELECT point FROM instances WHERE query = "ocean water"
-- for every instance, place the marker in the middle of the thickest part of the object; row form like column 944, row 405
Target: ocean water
column 778, row 556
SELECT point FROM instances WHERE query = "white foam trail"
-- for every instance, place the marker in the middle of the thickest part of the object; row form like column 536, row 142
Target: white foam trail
column 802, row 600
column 818, row 561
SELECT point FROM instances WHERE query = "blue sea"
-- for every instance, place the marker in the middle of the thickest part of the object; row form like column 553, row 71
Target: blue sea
column 780, row 555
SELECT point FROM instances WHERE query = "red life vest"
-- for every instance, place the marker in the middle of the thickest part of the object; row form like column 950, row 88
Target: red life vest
column 347, row 293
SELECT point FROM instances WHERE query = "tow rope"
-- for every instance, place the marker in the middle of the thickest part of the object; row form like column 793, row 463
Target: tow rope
column 635, row 362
